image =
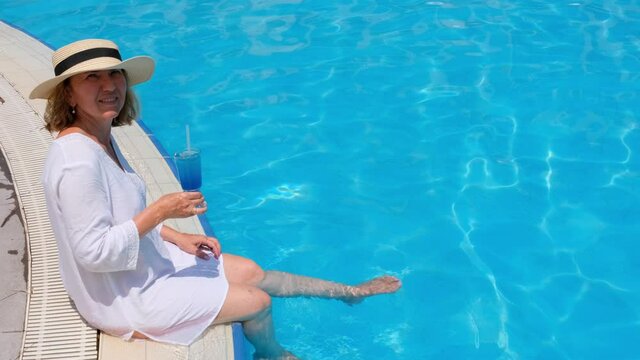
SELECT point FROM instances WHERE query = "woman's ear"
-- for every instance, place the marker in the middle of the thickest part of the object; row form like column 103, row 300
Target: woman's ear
column 69, row 96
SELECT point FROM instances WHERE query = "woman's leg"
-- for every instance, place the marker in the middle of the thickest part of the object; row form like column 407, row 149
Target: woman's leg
column 282, row 284
column 252, row 307
column 240, row 270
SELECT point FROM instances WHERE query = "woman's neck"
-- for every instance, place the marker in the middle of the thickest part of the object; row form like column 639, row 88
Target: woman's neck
column 101, row 136
column 99, row 132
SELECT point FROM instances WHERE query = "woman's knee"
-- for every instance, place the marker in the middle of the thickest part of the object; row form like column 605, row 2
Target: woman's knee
column 244, row 302
column 263, row 299
column 255, row 273
column 256, row 299
column 244, row 271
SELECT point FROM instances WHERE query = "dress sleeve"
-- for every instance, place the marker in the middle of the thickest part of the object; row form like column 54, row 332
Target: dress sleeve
column 97, row 243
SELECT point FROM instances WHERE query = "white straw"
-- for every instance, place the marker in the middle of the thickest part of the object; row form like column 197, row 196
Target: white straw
column 188, row 138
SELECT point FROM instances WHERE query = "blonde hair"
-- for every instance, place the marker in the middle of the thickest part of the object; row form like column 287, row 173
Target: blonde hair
column 58, row 115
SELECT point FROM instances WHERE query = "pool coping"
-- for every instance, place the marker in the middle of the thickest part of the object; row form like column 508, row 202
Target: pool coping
column 141, row 149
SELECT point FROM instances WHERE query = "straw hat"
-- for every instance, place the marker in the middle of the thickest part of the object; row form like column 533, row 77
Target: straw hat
column 92, row 55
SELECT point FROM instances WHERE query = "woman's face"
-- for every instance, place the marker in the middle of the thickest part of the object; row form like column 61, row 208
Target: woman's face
column 98, row 95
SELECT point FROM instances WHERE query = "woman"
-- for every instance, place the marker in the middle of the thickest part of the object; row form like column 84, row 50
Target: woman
column 128, row 274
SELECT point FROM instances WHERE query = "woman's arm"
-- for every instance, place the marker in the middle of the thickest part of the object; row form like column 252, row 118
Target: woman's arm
column 191, row 243
column 77, row 191
column 170, row 206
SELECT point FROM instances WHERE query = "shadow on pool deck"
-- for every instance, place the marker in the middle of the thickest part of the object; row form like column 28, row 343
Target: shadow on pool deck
column 13, row 268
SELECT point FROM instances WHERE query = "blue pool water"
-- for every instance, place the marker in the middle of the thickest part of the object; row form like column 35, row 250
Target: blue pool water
column 486, row 152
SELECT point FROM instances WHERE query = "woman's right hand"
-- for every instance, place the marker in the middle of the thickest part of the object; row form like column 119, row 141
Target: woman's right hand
column 181, row 204
column 170, row 206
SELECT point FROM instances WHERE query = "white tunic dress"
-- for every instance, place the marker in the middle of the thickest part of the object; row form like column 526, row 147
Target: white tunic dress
column 118, row 281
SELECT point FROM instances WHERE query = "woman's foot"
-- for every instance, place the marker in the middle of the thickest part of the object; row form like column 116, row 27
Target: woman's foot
column 381, row 285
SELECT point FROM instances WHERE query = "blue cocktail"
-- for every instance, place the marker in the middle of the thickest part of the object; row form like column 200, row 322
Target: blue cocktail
column 189, row 171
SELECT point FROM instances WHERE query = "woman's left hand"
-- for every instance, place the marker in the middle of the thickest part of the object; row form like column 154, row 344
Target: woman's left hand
column 198, row 245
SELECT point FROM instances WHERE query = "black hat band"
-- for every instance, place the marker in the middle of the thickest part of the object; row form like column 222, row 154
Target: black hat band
column 85, row 55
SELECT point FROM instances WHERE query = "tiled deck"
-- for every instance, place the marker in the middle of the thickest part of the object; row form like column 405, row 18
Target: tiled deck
column 53, row 329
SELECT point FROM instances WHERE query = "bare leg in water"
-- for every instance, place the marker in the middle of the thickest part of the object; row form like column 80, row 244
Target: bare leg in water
column 249, row 299
column 282, row 284
column 252, row 307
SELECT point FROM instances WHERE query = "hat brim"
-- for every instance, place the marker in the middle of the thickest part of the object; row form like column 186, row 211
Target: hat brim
column 139, row 69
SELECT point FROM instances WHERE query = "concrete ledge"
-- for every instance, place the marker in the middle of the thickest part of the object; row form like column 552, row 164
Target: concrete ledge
column 213, row 344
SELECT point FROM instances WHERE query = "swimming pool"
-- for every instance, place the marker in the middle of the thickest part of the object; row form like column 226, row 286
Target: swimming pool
column 485, row 152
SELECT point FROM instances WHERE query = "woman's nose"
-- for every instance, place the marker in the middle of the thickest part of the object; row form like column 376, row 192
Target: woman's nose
column 107, row 83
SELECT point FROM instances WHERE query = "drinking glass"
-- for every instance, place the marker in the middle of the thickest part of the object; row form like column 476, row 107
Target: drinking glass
column 189, row 169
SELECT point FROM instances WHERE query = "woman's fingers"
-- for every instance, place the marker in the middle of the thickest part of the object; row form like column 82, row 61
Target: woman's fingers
column 187, row 203
column 201, row 245
column 216, row 248
column 200, row 209
column 191, row 195
column 201, row 254
column 212, row 244
column 197, row 203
